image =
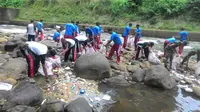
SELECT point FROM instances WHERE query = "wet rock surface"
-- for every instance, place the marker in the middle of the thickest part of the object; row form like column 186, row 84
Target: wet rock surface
column 22, row 108
column 53, row 106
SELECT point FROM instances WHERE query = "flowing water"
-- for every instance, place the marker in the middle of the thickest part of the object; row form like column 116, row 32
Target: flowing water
column 139, row 97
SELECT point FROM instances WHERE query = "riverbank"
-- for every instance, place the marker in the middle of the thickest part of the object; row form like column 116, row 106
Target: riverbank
column 135, row 96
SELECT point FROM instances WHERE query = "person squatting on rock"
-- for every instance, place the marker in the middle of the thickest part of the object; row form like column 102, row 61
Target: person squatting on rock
column 116, row 46
column 97, row 40
column 168, row 41
column 184, row 40
column 82, row 40
column 68, row 48
column 138, row 35
column 170, row 51
column 34, row 53
column 142, row 45
column 40, row 29
column 56, row 37
column 31, row 31
column 125, row 34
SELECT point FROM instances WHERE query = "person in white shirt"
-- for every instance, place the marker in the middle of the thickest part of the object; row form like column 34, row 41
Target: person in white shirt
column 68, row 47
column 31, row 31
column 34, row 53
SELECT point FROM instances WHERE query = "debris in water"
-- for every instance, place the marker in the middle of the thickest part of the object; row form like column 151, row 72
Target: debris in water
column 106, row 97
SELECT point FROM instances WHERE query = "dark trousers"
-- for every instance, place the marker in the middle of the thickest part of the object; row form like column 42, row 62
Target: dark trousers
column 77, row 45
column 146, row 52
column 73, row 51
column 31, row 37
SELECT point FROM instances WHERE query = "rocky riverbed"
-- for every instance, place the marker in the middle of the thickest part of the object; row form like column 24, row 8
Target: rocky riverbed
column 130, row 86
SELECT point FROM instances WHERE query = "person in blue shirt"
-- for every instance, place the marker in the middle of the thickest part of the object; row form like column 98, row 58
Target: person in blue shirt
column 70, row 31
column 168, row 41
column 40, row 26
column 125, row 34
column 116, row 46
column 96, row 31
column 184, row 40
column 90, row 35
column 56, row 36
column 138, row 35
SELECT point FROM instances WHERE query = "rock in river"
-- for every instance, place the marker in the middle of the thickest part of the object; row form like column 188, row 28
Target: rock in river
column 117, row 81
column 22, row 108
column 78, row 105
column 196, row 90
column 53, row 106
column 92, row 66
column 158, row 76
column 24, row 94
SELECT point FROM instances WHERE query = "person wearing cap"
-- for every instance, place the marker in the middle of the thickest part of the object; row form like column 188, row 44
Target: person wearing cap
column 125, row 34
column 31, row 31
column 68, row 47
column 138, row 35
column 143, row 45
column 168, row 41
column 170, row 51
column 40, row 27
column 184, row 40
column 34, row 53
column 116, row 46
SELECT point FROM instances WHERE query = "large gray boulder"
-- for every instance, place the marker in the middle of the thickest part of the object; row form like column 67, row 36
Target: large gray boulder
column 53, row 106
column 158, row 76
column 22, row 108
column 24, row 93
column 136, row 73
column 78, row 105
column 92, row 66
column 14, row 67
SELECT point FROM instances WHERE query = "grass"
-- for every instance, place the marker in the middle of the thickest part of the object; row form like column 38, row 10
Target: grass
column 65, row 11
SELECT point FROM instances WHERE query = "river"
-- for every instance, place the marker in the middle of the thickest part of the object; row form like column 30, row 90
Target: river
column 139, row 97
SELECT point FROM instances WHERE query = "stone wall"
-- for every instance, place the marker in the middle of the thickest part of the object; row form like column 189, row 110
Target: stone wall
column 7, row 14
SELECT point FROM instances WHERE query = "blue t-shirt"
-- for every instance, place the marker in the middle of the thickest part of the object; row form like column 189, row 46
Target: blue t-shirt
column 56, row 36
column 77, row 28
column 89, row 32
column 70, row 29
column 96, row 31
column 115, row 38
column 138, row 32
column 39, row 26
column 171, row 40
column 126, row 31
column 183, row 35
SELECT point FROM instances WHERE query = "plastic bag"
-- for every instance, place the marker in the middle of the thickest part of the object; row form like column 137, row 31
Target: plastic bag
column 49, row 68
column 56, row 62
column 153, row 59
column 130, row 42
column 197, row 70
column 176, row 60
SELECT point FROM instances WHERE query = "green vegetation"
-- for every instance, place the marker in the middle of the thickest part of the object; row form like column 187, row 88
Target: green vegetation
column 151, row 14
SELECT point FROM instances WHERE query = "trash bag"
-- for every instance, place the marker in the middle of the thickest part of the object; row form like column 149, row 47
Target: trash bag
column 56, row 62
column 197, row 70
column 153, row 59
column 130, row 42
column 49, row 68
column 176, row 60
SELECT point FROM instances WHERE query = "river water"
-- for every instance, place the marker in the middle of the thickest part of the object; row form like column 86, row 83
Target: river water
column 139, row 97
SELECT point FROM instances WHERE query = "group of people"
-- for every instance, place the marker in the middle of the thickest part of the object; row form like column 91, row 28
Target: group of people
column 73, row 44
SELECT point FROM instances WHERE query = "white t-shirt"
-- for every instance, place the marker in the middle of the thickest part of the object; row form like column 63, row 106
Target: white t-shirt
column 37, row 48
column 71, row 41
column 31, row 29
column 81, row 38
